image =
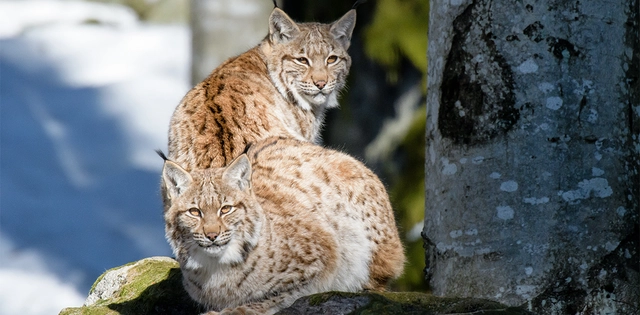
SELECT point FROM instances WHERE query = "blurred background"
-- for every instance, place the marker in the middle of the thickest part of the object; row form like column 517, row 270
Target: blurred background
column 87, row 89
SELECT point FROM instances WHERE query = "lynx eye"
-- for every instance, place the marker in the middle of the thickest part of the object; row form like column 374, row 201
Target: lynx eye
column 225, row 209
column 302, row 60
column 332, row 59
column 195, row 212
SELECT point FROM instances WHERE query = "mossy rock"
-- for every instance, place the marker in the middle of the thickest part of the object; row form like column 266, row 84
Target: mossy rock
column 149, row 286
column 154, row 286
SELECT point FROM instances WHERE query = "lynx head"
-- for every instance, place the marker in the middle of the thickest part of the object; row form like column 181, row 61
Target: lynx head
column 308, row 62
column 211, row 212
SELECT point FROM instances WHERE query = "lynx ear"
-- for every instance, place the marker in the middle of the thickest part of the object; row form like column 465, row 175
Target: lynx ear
column 238, row 173
column 342, row 29
column 281, row 27
column 175, row 179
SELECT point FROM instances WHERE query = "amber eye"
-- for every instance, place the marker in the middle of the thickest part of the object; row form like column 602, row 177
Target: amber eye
column 195, row 212
column 225, row 209
column 302, row 60
column 332, row 59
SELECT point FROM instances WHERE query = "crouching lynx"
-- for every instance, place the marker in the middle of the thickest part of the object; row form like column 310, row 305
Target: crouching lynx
column 281, row 87
column 285, row 220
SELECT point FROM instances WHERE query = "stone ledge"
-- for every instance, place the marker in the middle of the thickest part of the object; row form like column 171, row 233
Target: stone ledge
column 394, row 303
column 154, row 286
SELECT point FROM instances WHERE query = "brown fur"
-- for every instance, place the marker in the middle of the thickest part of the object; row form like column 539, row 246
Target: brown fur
column 282, row 87
column 305, row 219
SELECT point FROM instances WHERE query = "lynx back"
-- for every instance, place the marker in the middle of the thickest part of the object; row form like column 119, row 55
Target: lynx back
column 281, row 87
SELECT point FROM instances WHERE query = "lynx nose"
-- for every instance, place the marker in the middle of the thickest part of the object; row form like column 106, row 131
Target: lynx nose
column 320, row 84
column 212, row 236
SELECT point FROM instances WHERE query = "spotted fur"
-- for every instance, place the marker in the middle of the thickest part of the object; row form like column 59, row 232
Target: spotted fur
column 286, row 219
column 281, row 87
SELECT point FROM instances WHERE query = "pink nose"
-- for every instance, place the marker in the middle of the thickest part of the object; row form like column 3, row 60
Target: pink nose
column 212, row 236
column 320, row 84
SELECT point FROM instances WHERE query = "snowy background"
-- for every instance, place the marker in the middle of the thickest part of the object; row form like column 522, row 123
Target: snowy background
column 86, row 93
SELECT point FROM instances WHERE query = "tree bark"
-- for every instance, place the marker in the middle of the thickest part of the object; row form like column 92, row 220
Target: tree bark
column 532, row 156
column 222, row 29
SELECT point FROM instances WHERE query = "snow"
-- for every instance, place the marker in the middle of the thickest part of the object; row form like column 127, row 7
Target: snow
column 16, row 16
column 86, row 94
column 24, row 277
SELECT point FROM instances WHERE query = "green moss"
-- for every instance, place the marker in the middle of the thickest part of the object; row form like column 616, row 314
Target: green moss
column 152, row 286
column 157, row 289
column 92, row 310
column 146, row 275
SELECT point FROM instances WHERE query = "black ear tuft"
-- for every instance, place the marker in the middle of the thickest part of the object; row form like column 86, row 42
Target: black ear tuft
column 275, row 4
column 246, row 148
column 356, row 4
column 164, row 157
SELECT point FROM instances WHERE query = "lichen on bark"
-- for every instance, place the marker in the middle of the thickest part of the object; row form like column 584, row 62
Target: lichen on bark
column 544, row 212
column 477, row 101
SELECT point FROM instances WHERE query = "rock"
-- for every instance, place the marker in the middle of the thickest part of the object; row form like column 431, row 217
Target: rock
column 149, row 286
column 336, row 303
column 154, row 286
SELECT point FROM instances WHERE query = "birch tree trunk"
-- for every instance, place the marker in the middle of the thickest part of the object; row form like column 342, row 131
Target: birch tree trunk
column 222, row 29
column 533, row 149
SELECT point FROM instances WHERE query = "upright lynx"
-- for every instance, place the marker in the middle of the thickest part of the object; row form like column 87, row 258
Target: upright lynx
column 285, row 220
column 281, row 87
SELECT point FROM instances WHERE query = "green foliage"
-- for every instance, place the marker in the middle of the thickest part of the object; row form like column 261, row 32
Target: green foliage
column 407, row 195
column 399, row 28
column 399, row 31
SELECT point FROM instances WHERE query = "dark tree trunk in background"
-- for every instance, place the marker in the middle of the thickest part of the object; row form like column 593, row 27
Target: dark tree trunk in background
column 532, row 156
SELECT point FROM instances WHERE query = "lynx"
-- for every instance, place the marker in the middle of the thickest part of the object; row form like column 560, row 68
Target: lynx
column 286, row 219
column 281, row 87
